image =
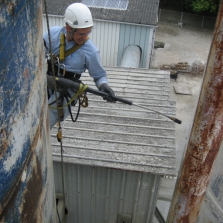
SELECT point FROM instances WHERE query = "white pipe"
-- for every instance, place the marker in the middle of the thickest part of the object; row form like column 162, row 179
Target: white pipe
column 61, row 211
column 131, row 57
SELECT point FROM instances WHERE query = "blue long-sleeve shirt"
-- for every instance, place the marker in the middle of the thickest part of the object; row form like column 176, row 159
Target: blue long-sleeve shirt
column 86, row 57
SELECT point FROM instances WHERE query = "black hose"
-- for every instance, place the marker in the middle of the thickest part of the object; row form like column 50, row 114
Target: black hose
column 70, row 84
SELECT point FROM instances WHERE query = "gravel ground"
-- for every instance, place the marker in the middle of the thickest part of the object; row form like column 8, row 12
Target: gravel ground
column 182, row 45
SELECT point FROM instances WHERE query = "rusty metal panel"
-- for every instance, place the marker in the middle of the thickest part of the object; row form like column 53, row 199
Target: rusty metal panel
column 26, row 173
column 205, row 137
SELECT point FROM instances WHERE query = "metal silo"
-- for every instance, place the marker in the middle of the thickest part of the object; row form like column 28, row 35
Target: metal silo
column 26, row 173
column 198, row 185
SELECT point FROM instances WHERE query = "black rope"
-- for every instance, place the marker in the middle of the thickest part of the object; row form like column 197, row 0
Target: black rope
column 55, row 87
column 78, row 111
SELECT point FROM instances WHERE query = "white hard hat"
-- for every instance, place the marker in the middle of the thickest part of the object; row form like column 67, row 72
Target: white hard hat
column 78, row 15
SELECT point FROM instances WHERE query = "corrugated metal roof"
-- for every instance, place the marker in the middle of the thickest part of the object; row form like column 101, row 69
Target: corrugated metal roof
column 123, row 136
column 140, row 12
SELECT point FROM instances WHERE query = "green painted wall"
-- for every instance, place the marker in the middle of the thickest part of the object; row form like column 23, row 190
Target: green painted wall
column 134, row 35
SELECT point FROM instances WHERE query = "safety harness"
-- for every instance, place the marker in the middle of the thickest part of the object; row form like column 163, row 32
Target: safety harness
column 80, row 94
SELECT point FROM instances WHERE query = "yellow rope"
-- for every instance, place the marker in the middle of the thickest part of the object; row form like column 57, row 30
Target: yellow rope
column 80, row 91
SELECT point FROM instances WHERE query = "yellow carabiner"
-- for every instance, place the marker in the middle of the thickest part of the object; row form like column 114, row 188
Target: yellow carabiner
column 59, row 135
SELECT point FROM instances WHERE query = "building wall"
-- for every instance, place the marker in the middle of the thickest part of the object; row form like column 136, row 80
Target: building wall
column 139, row 36
column 112, row 38
column 105, row 35
column 97, row 194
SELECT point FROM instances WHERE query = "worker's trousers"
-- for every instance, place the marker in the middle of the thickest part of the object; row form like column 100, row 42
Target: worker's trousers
column 54, row 118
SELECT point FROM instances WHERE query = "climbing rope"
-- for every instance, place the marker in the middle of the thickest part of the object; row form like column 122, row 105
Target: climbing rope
column 59, row 134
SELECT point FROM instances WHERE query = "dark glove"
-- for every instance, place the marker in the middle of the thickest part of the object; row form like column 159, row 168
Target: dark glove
column 105, row 88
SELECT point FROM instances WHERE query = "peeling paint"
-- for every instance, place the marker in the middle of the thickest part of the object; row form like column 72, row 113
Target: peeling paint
column 4, row 143
column 26, row 175
column 205, row 137
column 11, row 8
column 34, row 190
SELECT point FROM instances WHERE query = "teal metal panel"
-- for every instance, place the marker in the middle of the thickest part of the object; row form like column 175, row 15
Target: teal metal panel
column 132, row 35
column 137, row 35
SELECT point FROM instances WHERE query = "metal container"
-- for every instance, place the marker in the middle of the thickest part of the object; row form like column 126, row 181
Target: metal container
column 26, row 172
column 96, row 194
column 203, row 144
column 115, row 154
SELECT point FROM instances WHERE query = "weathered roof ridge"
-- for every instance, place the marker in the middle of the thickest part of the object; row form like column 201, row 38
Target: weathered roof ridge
column 139, row 12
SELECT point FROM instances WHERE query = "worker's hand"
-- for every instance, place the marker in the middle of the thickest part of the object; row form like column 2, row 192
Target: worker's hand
column 105, row 88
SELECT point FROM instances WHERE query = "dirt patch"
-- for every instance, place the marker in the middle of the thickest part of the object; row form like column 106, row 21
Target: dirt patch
column 181, row 45
column 172, row 31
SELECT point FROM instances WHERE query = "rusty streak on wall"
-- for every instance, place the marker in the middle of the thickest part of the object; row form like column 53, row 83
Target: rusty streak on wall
column 26, row 171
column 205, row 137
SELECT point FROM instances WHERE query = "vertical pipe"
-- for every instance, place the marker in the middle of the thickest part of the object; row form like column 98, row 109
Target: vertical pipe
column 107, row 201
column 205, row 137
column 202, row 23
column 26, row 170
column 181, row 19
column 159, row 14
column 80, row 210
column 122, row 192
column 153, row 198
column 136, row 199
column 93, row 195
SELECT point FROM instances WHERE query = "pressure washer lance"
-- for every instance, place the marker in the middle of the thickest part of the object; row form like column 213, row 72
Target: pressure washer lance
column 74, row 85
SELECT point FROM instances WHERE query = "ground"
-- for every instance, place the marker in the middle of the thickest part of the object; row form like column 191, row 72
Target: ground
column 182, row 44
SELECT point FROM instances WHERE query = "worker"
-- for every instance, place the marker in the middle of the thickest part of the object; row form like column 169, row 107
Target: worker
column 78, row 25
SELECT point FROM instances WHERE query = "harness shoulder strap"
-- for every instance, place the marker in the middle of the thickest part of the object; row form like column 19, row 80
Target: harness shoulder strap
column 71, row 50
column 75, row 48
